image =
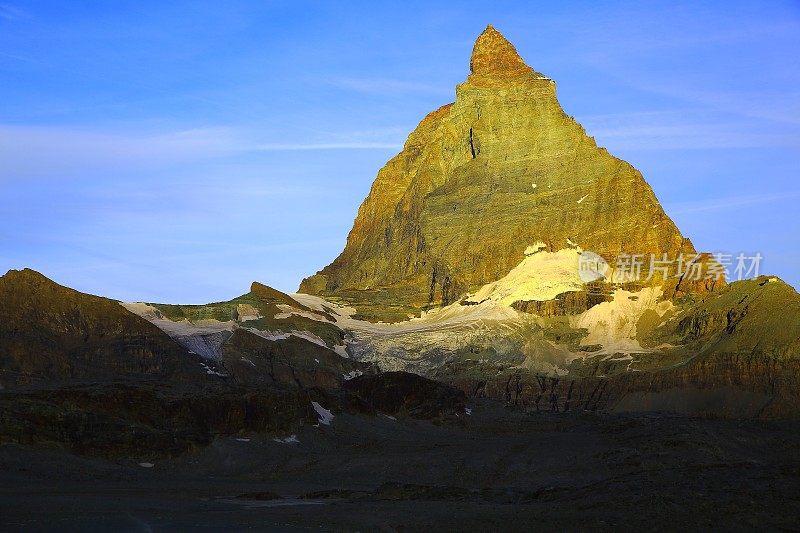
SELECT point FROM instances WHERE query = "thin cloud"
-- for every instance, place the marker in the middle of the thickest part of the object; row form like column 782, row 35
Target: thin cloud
column 388, row 86
column 11, row 12
column 27, row 151
column 717, row 204
column 283, row 147
column 17, row 58
column 30, row 151
column 774, row 106
column 684, row 130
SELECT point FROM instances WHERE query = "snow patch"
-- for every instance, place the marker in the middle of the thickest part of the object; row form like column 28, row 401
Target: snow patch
column 292, row 439
column 339, row 312
column 613, row 324
column 203, row 337
column 325, row 416
column 288, row 310
column 539, row 277
column 406, row 345
column 146, row 465
column 535, row 247
column 283, row 335
column 341, row 349
column 352, row 374
column 211, row 372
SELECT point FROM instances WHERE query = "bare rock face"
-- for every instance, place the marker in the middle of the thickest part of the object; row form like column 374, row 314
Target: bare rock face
column 494, row 55
column 477, row 182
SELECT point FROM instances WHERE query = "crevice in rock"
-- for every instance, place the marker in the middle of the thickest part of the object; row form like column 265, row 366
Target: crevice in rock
column 471, row 144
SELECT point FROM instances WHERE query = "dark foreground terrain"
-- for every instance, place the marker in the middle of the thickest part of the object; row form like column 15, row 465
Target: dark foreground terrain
column 492, row 469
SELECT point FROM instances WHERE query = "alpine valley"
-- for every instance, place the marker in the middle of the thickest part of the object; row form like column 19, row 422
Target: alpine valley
column 455, row 366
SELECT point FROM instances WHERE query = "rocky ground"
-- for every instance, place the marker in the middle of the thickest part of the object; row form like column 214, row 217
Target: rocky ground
column 494, row 468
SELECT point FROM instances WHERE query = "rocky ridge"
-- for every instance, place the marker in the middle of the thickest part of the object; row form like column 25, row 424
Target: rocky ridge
column 106, row 378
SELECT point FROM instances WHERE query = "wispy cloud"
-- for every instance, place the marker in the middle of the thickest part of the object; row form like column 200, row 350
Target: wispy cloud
column 281, row 147
column 17, row 57
column 718, row 204
column 388, row 86
column 102, row 143
column 764, row 104
column 12, row 12
column 39, row 151
column 687, row 129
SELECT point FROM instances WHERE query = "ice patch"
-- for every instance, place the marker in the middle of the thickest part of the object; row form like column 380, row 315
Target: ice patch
column 341, row 349
column 539, row 277
column 340, row 313
column 613, row 324
column 405, row 345
column 628, row 357
column 325, row 416
column 352, row 374
column 283, row 335
column 211, row 372
column 203, row 337
column 288, row 310
column 535, row 247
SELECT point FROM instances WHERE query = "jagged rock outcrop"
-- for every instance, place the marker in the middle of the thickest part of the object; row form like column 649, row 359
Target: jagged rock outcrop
column 477, row 182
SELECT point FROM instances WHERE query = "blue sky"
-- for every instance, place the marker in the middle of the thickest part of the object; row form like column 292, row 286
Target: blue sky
column 177, row 151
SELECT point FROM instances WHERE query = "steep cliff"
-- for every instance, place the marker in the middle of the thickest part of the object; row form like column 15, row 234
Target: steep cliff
column 478, row 182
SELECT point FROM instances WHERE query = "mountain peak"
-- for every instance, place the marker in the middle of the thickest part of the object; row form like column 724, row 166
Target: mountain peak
column 494, row 55
column 479, row 182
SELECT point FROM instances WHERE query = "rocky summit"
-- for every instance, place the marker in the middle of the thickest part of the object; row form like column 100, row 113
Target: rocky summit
column 478, row 182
